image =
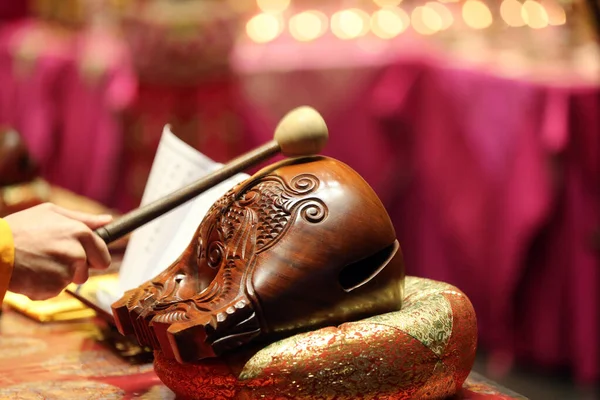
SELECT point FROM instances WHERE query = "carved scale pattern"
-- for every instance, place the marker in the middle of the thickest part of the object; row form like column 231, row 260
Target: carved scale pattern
column 273, row 219
column 272, row 199
column 249, row 219
column 273, row 203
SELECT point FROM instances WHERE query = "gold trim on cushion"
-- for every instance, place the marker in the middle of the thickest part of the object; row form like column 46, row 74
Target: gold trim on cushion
column 426, row 316
column 426, row 350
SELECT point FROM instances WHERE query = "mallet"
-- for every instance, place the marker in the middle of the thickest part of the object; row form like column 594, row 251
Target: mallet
column 301, row 132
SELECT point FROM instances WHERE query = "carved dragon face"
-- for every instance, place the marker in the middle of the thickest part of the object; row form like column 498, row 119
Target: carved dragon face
column 189, row 275
column 303, row 244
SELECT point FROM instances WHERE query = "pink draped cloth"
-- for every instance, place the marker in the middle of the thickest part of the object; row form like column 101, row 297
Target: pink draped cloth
column 487, row 154
column 492, row 183
column 469, row 165
column 30, row 96
column 91, row 150
column 67, row 114
column 92, row 126
column 563, row 269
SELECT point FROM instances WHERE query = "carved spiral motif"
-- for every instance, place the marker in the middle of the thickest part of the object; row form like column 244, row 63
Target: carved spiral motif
column 249, row 197
column 215, row 254
column 313, row 211
column 304, row 183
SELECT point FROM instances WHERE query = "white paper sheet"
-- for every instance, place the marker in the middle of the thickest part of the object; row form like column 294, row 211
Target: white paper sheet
column 153, row 247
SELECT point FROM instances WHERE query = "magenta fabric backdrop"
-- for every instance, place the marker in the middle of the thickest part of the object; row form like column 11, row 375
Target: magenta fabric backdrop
column 492, row 183
column 66, row 102
column 505, row 202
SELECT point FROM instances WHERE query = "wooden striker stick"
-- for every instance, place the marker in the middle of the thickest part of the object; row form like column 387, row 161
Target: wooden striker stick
column 301, row 132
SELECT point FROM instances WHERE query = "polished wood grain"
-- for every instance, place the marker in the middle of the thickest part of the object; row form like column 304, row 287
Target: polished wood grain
column 303, row 244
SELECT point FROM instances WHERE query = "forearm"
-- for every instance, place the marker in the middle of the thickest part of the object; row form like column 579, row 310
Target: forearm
column 7, row 257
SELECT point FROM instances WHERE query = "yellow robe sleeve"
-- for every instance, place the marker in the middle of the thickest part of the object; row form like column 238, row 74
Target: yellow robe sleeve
column 7, row 257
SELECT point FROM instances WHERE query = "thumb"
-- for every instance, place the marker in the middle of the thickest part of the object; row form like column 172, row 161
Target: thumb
column 91, row 220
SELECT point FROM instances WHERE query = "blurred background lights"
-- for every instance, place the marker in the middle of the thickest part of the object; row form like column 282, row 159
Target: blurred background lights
column 510, row 11
column 389, row 22
column 556, row 13
column 350, row 24
column 272, row 6
column 534, row 14
column 387, row 3
column 263, row 28
column 443, row 12
column 476, row 14
column 425, row 20
column 308, row 25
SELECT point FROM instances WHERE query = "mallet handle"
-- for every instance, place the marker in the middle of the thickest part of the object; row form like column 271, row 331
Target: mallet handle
column 141, row 216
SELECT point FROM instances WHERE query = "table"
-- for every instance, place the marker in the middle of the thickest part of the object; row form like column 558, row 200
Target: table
column 72, row 360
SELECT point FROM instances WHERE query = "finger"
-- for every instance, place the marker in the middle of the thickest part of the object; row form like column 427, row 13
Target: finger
column 91, row 220
column 96, row 251
column 81, row 274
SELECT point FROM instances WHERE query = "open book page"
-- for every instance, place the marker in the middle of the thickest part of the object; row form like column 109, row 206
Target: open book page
column 153, row 247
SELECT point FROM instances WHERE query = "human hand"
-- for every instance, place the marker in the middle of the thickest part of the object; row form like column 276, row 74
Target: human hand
column 54, row 247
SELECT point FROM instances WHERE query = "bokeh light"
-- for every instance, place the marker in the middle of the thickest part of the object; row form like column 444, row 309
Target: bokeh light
column 476, row 14
column 425, row 20
column 556, row 13
column 510, row 11
column 443, row 12
column 308, row 25
column 350, row 24
column 264, row 28
column 534, row 14
column 389, row 22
